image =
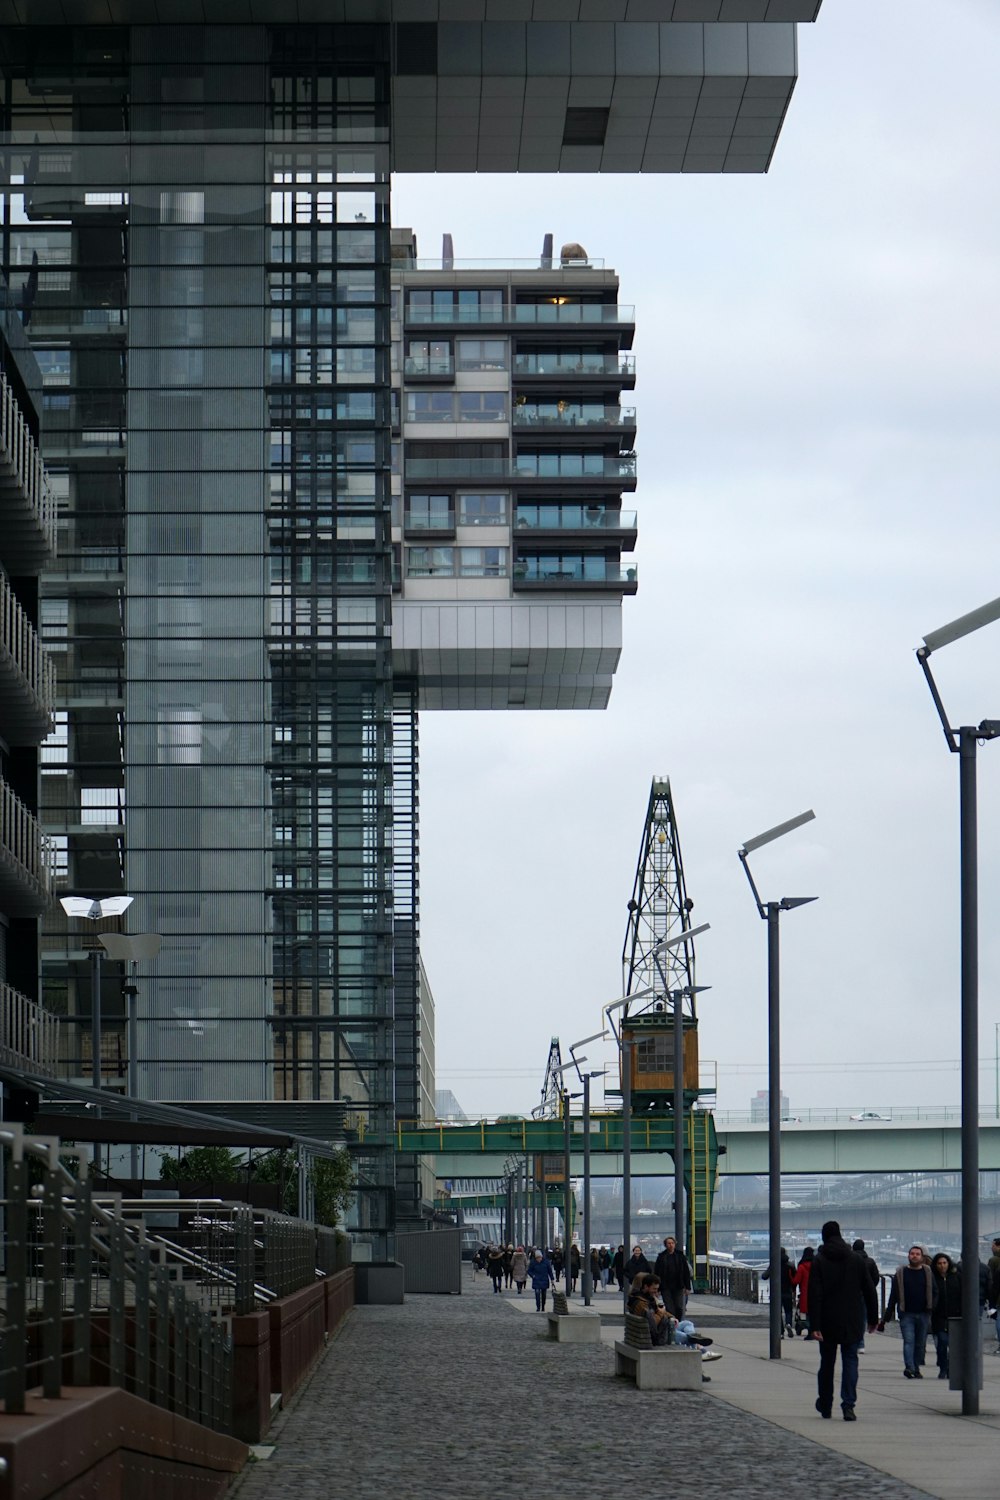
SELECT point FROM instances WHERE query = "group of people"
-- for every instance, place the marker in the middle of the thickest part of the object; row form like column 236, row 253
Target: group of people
column 509, row 1265
column 839, row 1301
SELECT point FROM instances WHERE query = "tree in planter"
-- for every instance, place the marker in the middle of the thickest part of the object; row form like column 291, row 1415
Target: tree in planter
column 203, row 1164
column 333, row 1182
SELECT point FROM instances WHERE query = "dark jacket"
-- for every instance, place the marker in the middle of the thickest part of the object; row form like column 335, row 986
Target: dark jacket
column 540, row 1273
column 949, row 1300
column 840, row 1293
column 673, row 1272
column 634, row 1265
column 897, row 1296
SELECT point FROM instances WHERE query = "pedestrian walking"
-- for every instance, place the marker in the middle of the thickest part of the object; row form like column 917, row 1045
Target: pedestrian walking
column 494, row 1264
column 993, row 1286
column 618, row 1267
column 839, row 1287
column 674, row 1276
column 913, row 1294
column 786, row 1290
column 519, row 1269
column 859, row 1249
column 947, row 1305
column 800, row 1278
column 595, row 1270
column 574, row 1265
column 508, row 1256
column 542, row 1277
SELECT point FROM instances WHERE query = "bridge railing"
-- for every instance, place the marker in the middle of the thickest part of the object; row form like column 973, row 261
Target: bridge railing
column 853, row 1115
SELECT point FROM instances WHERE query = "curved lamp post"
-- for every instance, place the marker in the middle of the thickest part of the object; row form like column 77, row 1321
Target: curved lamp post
column 963, row 742
column 770, row 912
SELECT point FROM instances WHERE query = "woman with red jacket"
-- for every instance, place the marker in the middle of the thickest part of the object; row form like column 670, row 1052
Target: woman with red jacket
column 800, row 1278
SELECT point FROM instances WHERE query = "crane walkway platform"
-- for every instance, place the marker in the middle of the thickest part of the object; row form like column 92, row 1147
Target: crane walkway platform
column 465, row 1397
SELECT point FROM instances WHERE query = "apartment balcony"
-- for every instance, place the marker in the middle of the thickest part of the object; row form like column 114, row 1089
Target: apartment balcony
column 428, row 525
column 566, row 416
column 545, row 316
column 437, row 367
column 549, row 468
column 97, row 314
column 27, row 675
column 596, row 524
column 580, row 573
column 28, row 536
column 29, row 1034
column 551, row 367
column 26, row 859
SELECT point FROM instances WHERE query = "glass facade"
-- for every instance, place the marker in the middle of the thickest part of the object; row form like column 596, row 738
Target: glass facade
column 199, row 219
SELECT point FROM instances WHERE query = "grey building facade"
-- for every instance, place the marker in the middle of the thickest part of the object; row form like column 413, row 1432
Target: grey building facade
column 198, row 207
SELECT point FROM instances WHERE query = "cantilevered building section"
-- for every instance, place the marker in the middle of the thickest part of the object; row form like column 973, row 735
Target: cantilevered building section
column 198, row 214
column 508, row 524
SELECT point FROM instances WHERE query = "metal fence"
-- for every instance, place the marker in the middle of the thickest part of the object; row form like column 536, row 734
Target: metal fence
column 98, row 1290
column 742, row 1283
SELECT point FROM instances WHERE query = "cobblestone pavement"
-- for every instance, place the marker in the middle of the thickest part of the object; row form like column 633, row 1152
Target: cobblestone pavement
column 459, row 1396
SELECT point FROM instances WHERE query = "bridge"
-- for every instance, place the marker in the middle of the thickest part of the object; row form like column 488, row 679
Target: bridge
column 921, row 1142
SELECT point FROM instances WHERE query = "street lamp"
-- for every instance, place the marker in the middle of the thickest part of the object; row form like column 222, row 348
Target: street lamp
column 667, row 945
column 95, row 911
column 566, row 1096
column 963, row 742
column 142, row 947
column 598, row 1036
column 770, row 912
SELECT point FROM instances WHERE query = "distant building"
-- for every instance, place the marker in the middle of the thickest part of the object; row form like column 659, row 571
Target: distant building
column 760, row 1104
column 448, row 1107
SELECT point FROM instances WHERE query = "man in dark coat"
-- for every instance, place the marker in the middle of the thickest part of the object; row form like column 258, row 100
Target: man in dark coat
column 841, row 1296
column 675, row 1276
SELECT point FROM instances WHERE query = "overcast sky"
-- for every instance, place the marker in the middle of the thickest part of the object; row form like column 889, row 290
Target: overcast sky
column 819, row 452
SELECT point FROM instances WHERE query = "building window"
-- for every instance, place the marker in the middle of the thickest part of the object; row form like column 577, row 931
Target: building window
column 430, row 406
column 654, row 1054
column 430, row 562
column 482, row 406
column 481, row 354
column 482, row 562
column 429, row 512
column 482, row 509
column 446, row 305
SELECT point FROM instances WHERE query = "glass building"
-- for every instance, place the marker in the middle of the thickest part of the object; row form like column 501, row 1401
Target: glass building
column 196, row 228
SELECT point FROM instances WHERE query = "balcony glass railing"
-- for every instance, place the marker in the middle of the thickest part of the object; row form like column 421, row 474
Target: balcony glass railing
column 573, row 363
column 569, row 569
column 573, row 518
column 525, row 466
column 566, row 314
column 27, row 674
column 429, row 521
column 435, row 365
column 572, row 414
column 574, row 466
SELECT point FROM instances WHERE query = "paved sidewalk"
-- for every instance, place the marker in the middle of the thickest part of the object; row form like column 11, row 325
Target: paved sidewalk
column 459, row 1396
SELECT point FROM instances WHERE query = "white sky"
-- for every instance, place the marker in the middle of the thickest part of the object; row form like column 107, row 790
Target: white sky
column 819, row 454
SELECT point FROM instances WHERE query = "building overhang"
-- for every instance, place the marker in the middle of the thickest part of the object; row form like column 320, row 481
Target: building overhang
column 508, row 653
column 530, row 86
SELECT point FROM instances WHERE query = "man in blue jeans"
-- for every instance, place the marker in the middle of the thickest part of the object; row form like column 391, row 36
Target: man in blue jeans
column 841, row 1300
column 913, row 1296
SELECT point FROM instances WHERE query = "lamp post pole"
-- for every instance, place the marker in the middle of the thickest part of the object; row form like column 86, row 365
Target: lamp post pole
column 585, row 1265
column 680, row 1206
column 771, row 912
column 568, row 1196
column 95, row 1017
column 963, row 742
column 626, row 1055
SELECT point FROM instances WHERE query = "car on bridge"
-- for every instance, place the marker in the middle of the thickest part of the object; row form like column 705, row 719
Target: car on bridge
column 870, row 1114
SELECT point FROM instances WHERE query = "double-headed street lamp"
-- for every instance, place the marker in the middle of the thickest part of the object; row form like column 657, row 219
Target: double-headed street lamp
column 963, row 742
column 771, row 911
column 95, row 911
column 598, row 1036
column 677, row 997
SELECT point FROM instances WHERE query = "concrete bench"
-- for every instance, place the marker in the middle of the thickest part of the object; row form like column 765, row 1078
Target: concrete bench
column 572, row 1327
column 668, row 1367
